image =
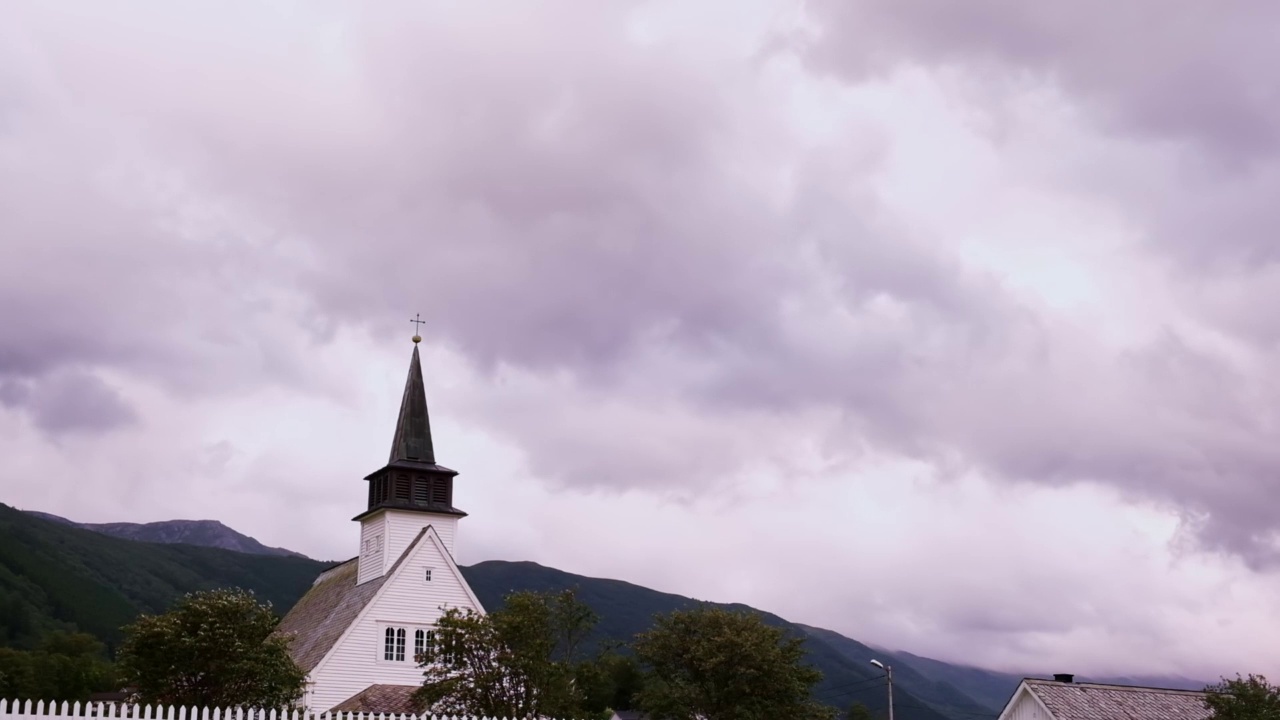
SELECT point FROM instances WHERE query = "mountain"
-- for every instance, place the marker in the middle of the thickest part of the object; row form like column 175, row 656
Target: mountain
column 626, row 609
column 206, row 533
column 942, row 693
column 993, row 689
column 923, row 687
column 54, row 575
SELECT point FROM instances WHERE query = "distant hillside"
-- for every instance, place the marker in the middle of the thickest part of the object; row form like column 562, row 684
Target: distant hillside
column 626, row 609
column 951, row 698
column 57, row 576
column 206, row 533
column 923, row 687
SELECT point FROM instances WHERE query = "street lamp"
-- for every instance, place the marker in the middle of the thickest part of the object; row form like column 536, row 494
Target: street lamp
column 888, row 671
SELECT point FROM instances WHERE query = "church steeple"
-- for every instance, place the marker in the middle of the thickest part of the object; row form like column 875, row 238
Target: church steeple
column 411, row 479
column 412, row 440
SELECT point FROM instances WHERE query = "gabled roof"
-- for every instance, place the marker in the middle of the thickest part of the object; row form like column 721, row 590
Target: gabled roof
column 325, row 612
column 334, row 602
column 1095, row 701
column 388, row 699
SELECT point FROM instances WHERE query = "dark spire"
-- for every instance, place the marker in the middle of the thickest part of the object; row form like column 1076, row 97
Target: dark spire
column 412, row 440
column 411, row 479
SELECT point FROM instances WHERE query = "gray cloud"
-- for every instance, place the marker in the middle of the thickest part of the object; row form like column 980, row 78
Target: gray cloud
column 662, row 286
column 69, row 401
column 573, row 201
column 1180, row 76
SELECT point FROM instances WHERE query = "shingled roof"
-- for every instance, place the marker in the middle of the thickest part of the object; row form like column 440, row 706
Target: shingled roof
column 388, row 699
column 317, row 621
column 1091, row 701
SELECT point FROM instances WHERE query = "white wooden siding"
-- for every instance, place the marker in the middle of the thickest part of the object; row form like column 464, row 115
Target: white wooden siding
column 1025, row 707
column 404, row 525
column 406, row 600
column 372, row 552
column 398, row 528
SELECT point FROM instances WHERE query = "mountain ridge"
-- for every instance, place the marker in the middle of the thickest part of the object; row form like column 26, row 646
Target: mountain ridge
column 57, row 576
column 51, row 570
column 205, row 533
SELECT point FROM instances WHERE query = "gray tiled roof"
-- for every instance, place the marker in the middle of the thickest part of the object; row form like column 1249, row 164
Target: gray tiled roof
column 325, row 611
column 1089, row 701
column 390, row 699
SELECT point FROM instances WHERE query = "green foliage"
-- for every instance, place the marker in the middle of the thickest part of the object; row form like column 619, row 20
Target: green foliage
column 716, row 664
column 66, row 666
column 611, row 682
column 213, row 649
column 55, row 577
column 523, row 660
column 1249, row 698
column 857, row 711
column 626, row 609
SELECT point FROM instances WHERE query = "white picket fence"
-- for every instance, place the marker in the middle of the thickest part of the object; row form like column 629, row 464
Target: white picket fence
column 26, row 709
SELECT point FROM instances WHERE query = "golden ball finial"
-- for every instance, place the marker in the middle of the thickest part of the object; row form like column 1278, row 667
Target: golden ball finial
column 417, row 339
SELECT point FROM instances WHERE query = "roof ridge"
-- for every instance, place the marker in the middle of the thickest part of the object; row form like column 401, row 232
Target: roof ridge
column 1114, row 686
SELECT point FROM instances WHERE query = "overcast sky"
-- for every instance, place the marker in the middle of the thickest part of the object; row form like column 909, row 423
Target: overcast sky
column 947, row 326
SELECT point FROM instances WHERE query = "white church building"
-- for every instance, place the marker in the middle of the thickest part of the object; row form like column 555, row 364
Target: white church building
column 357, row 629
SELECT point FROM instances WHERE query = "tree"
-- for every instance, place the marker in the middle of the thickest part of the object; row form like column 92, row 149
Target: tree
column 715, row 664
column 65, row 666
column 1251, row 698
column 611, row 682
column 857, row 711
column 212, row 649
column 523, row 660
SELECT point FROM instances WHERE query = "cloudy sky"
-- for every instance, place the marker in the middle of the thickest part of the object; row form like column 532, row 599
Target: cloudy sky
column 946, row 326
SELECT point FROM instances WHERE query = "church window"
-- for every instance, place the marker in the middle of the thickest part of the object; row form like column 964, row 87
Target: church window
column 428, row 575
column 421, row 491
column 393, row 644
column 419, row 643
column 440, row 492
column 402, row 489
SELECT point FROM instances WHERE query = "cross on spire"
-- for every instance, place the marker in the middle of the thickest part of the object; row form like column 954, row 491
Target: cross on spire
column 418, row 323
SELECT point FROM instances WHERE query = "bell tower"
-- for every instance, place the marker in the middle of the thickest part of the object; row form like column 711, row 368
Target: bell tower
column 411, row 491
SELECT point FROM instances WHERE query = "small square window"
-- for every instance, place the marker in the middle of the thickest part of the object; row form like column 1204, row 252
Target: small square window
column 427, row 575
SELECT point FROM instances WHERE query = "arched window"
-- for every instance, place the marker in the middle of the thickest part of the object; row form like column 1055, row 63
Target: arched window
column 393, row 644
column 419, row 643
column 389, row 644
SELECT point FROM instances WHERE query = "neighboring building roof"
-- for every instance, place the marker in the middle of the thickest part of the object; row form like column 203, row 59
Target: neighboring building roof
column 325, row 611
column 1093, row 701
column 390, row 699
column 628, row 715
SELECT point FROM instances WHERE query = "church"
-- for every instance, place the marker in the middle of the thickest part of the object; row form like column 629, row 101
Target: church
column 357, row 629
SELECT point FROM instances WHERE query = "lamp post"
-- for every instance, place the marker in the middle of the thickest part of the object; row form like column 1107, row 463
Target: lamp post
column 888, row 672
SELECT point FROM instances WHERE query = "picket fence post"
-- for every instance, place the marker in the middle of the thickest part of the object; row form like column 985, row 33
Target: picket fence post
column 28, row 709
